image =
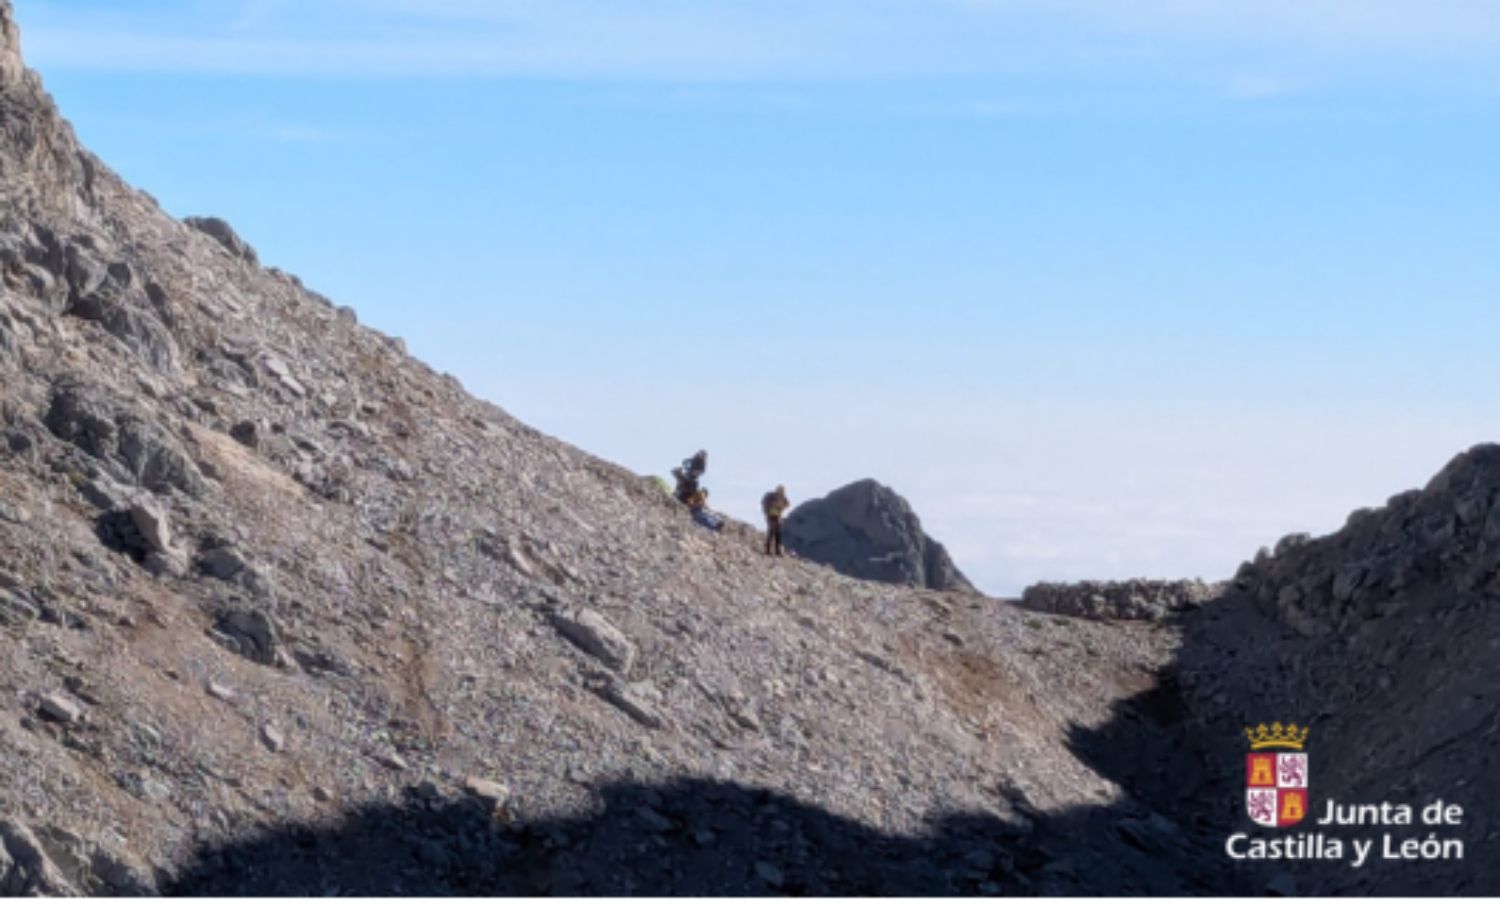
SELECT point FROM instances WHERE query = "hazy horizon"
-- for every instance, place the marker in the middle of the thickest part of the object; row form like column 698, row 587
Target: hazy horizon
column 1104, row 292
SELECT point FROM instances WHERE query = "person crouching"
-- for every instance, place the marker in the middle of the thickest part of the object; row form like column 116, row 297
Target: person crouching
column 698, row 506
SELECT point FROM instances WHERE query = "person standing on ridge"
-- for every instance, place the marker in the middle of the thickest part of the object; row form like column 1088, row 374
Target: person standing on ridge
column 774, row 505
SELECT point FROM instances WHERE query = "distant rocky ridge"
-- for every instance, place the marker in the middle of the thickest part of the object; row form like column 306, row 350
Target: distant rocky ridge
column 1134, row 599
column 868, row 531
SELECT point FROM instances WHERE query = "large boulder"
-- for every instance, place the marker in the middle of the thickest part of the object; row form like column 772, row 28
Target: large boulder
column 868, row 531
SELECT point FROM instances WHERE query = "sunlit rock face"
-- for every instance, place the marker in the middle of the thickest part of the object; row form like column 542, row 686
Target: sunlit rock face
column 868, row 531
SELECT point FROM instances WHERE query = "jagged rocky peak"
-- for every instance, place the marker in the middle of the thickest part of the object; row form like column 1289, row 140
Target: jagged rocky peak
column 868, row 531
column 44, row 174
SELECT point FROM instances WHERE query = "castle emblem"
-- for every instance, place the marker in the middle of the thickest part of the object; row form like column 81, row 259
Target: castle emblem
column 1276, row 775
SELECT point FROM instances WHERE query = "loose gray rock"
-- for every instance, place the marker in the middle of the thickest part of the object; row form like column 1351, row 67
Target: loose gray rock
column 248, row 433
column 166, row 564
column 223, row 563
column 630, row 700
column 151, row 522
column 491, row 792
column 61, row 708
column 592, row 633
column 253, row 634
column 769, row 873
column 393, row 761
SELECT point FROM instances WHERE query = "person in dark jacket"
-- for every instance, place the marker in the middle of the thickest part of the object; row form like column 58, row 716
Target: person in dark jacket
column 689, row 473
column 774, row 505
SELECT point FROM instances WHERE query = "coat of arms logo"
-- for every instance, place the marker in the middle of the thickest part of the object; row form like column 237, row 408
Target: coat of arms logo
column 1276, row 775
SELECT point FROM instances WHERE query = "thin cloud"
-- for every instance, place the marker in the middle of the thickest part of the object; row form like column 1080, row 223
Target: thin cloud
column 283, row 132
column 256, row 12
column 375, row 38
column 1255, row 87
column 247, row 127
column 1350, row 26
column 708, row 40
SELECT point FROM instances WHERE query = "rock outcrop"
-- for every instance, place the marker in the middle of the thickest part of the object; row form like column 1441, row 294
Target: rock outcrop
column 221, row 232
column 868, row 531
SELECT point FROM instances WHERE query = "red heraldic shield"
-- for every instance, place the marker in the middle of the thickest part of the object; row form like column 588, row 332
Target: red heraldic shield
column 1276, row 788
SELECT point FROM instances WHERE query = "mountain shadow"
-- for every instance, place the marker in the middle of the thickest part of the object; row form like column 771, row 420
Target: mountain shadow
column 701, row 838
column 1382, row 729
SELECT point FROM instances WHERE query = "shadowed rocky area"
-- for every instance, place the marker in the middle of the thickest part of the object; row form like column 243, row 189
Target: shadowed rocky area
column 868, row 531
column 1385, row 636
column 699, row 838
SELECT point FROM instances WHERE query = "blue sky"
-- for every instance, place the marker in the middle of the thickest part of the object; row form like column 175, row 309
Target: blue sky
column 1106, row 289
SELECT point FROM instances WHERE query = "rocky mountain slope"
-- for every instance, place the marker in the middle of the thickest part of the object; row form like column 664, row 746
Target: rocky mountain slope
column 283, row 610
column 868, row 531
column 263, row 570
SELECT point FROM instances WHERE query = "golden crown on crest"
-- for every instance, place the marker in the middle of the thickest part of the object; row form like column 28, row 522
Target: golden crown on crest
column 1277, row 736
